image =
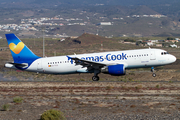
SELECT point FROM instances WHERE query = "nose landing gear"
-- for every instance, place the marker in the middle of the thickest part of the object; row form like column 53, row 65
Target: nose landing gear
column 152, row 70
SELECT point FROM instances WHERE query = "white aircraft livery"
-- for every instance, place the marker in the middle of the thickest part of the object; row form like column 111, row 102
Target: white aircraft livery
column 113, row 63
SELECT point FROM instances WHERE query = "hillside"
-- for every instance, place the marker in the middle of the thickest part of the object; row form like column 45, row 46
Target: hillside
column 87, row 39
column 83, row 2
column 90, row 15
column 143, row 10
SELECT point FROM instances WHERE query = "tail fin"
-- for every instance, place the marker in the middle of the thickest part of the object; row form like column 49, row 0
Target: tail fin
column 20, row 52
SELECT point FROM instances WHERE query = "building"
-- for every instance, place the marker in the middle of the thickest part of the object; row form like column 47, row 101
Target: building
column 174, row 46
column 150, row 43
column 105, row 23
column 158, row 45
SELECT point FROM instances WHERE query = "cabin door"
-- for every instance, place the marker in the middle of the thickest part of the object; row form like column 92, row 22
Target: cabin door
column 39, row 64
column 152, row 55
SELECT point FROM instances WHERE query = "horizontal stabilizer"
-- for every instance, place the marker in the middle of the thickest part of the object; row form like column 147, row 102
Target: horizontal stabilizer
column 18, row 65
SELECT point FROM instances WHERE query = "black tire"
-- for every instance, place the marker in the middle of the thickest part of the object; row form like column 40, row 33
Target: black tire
column 95, row 78
column 154, row 75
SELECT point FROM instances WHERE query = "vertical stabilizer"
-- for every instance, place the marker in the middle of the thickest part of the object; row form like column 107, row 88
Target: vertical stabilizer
column 20, row 52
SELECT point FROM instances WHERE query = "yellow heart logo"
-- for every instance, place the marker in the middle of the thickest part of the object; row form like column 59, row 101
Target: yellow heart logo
column 16, row 48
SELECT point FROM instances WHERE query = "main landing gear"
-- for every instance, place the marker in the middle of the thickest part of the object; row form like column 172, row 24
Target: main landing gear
column 96, row 77
column 152, row 70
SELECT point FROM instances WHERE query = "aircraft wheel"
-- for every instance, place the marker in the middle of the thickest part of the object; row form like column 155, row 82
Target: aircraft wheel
column 95, row 78
column 154, row 75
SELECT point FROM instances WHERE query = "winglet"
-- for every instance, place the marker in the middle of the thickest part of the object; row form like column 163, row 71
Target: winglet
column 68, row 57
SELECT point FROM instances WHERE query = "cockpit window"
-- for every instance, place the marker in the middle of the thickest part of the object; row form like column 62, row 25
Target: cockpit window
column 164, row 53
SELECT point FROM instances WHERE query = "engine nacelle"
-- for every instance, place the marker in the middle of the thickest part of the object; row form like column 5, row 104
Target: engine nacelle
column 114, row 69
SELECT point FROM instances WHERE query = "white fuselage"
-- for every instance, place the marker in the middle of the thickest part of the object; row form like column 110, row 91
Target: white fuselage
column 130, row 58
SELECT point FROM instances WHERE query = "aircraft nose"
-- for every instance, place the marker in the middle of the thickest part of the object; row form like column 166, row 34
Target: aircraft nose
column 173, row 58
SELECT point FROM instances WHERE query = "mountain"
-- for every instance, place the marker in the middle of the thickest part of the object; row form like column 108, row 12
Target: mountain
column 143, row 10
column 87, row 39
column 86, row 2
column 166, row 7
column 119, row 12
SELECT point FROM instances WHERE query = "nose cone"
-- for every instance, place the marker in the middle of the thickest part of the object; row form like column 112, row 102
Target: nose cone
column 172, row 58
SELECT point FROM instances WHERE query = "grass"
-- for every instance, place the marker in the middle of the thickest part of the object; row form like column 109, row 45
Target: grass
column 170, row 81
column 157, row 86
column 17, row 99
column 5, row 107
column 53, row 115
column 139, row 87
column 109, row 87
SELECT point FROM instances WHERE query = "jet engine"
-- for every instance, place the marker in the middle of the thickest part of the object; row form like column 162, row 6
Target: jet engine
column 114, row 69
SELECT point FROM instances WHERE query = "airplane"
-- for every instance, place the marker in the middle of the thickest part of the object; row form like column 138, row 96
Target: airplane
column 113, row 63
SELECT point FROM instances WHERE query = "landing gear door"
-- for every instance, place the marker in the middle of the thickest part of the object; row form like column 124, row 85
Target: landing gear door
column 152, row 55
column 39, row 64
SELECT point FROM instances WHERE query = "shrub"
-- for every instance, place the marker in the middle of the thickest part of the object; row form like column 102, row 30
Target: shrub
column 5, row 107
column 139, row 87
column 53, row 115
column 17, row 99
column 109, row 87
column 132, row 106
column 157, row 86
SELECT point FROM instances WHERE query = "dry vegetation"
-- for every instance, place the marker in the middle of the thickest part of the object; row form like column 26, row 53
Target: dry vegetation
column 136, row 95
column 80, row 100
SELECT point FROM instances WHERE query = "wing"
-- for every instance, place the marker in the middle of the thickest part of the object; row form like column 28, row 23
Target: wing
column 89, row 64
